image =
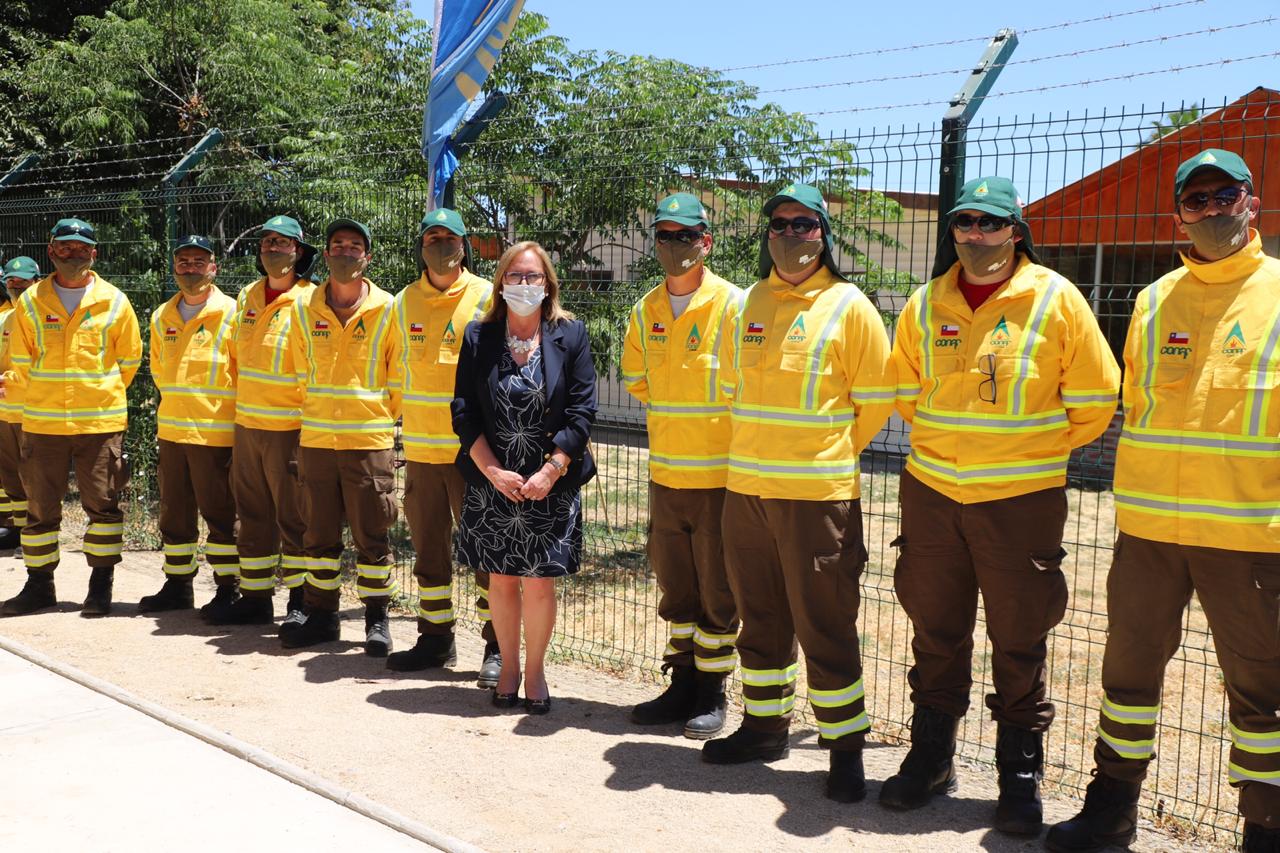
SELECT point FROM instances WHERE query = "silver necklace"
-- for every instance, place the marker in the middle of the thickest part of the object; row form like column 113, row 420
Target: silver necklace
column 522, row 345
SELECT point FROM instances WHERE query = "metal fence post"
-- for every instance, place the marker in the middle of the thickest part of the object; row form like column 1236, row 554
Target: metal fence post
column 11, row 177
column 175, row 175
column 964, row 104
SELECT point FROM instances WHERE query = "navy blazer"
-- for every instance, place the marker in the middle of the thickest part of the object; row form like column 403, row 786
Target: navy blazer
column 570, row 376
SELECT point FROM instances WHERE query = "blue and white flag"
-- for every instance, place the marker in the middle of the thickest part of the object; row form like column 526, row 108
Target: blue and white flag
column 466, row 42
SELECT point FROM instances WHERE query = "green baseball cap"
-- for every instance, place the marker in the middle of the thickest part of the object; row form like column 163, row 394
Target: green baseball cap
column 74, row 229
column 1211, row 158
column 994, row 195
column 445, row 218
column 287, row 226
column 811, row 197
column 21, row 267
column 339, row 224
column 682, row 209
column 194, row 241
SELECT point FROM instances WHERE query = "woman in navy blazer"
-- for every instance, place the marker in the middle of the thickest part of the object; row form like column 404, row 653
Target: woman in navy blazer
column 524, row 402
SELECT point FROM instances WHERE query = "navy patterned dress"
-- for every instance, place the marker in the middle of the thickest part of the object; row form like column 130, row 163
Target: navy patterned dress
column 533, row 539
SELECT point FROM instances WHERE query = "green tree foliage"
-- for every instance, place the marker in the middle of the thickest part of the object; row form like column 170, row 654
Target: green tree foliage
column 1173, row 121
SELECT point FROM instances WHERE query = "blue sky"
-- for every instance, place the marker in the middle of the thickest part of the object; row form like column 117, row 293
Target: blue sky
column 720, row 34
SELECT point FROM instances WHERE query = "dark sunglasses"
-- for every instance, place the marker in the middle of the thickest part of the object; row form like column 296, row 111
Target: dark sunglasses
column 1223, row 198
column 688, row 236
column 800, row 225
column 986, row 223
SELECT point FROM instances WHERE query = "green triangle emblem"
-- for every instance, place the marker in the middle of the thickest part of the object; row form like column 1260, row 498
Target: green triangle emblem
column 1235, row 340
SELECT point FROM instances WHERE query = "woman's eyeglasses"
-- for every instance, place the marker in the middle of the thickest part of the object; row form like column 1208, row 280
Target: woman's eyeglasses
column 987, row 224
column 800, row 225
column 688, row 236
column 1224, row 198
column 523, row 278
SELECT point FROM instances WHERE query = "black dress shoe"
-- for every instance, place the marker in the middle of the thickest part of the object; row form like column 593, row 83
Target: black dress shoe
column 506, row 700
column 537, row 707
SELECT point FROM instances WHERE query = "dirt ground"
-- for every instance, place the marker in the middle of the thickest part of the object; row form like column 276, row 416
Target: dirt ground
column 581, row 778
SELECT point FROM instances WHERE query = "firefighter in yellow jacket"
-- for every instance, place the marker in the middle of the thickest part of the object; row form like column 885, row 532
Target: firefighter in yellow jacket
column 19, row 274
column 1002, row 371
column 193, row 367
column 430, row 316
column 808, row 371
column 669, row 363
column 1197, row 490
column 75, row 346
column 268, row 420
column 344, row 345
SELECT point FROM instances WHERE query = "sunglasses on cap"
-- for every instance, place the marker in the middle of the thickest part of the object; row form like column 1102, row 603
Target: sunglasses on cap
column 1223, row 198
column 799, row 225
column 986, row 223
column 688, row 236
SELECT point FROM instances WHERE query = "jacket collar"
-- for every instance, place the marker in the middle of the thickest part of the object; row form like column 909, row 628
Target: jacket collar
column 807, row 290
column 217, row 301
column 95, row 293
column 1233, row 267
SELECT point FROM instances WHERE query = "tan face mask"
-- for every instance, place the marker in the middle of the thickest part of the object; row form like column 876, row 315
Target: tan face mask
column 193, row 283
column 793, row 255
column 1215, row 237
column 278, row 264
column 345, row 269
column 678, row 258
column 442, row 257
column 72, row 269
column 980, row 261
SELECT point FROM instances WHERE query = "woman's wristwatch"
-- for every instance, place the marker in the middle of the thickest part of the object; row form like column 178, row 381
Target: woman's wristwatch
column 558, row 465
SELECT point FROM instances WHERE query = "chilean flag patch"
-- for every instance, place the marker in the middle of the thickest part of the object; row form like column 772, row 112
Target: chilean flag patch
column 1179, row 337
column 250, row 314
column 51, row 318
column 171, row 331
column 755, row 328
column 659, row 329
column 322, row 325
column 950, row 331
column 415, row 328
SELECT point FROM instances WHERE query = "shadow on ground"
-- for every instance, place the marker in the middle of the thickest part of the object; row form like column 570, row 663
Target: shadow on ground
column 466, row 700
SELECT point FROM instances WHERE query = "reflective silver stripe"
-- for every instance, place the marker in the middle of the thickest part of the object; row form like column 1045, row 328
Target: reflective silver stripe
column 679, row 409
column 755, row 466
column 688, row 462
column 1130, row 714
column 1263, row 743
column 1009, row 423
column 1054, row 467
column 794, row 416
column 1134, row 749
column 1077, row 399
column 1263, row 513
column 1208, row 441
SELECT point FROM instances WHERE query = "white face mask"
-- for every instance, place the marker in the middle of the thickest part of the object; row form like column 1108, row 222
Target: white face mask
column 524, row 299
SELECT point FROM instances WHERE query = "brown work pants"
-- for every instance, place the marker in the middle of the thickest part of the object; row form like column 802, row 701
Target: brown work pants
column 1010, row 552
column 264, row 481
column 432, row 507
column 686, row 553
column 794, row 567
column 10, row 473
column 100, row 476
column 1148, row 590
column 358, row 487
column 196, row 481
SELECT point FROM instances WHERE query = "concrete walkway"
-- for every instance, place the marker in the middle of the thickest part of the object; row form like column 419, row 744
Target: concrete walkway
column 80, row 771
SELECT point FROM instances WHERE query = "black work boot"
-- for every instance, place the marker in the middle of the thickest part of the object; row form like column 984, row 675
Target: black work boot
column 98, row 601
column 1259, row 839
column 490, row 666
column 846, row 781
column 673, row 705
column 431, row 651
column 709, row 706
column 176, row 594
column 320, row 626
column 928, row 768
column 377, row 631
column 245, row 610
column 746, row 745
column 37, row 594
column 295, row 611
column 215, row 612
column 1020, row 763
column 1109, row 816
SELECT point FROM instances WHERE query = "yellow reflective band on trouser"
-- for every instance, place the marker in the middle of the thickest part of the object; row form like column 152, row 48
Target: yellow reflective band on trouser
column 221, row 549
column 435, row 593
column 329, row 584
column 1259, row 743
column 840, row 728
column 960, row 475
column 1137, row 750
column 178, row 551
column 374, row 581
column 179, row 558
column 681, row 630
column 1130, row 715
column 713, row 641
column 39, row 561
column 837, row 698
column 251, row 584
column 769, row 707
column 105, row 529
column 103, row 549
column 770, row 677
column 725, row 663
column 482, row 613
column 19, row 510
column 1254, row 512
column 35, row 540
column 436, row 617
column 1236, row 773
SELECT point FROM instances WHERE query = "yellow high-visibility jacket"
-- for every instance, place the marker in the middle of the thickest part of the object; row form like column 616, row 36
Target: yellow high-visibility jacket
column 347, row 401
column 267, row 392
column 1056, row 384
column 673, row 366
column 808, row 371
column 14, row 391
column 76, row 368
column 429, row 324
column 1199, row 457
column 193, row 363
